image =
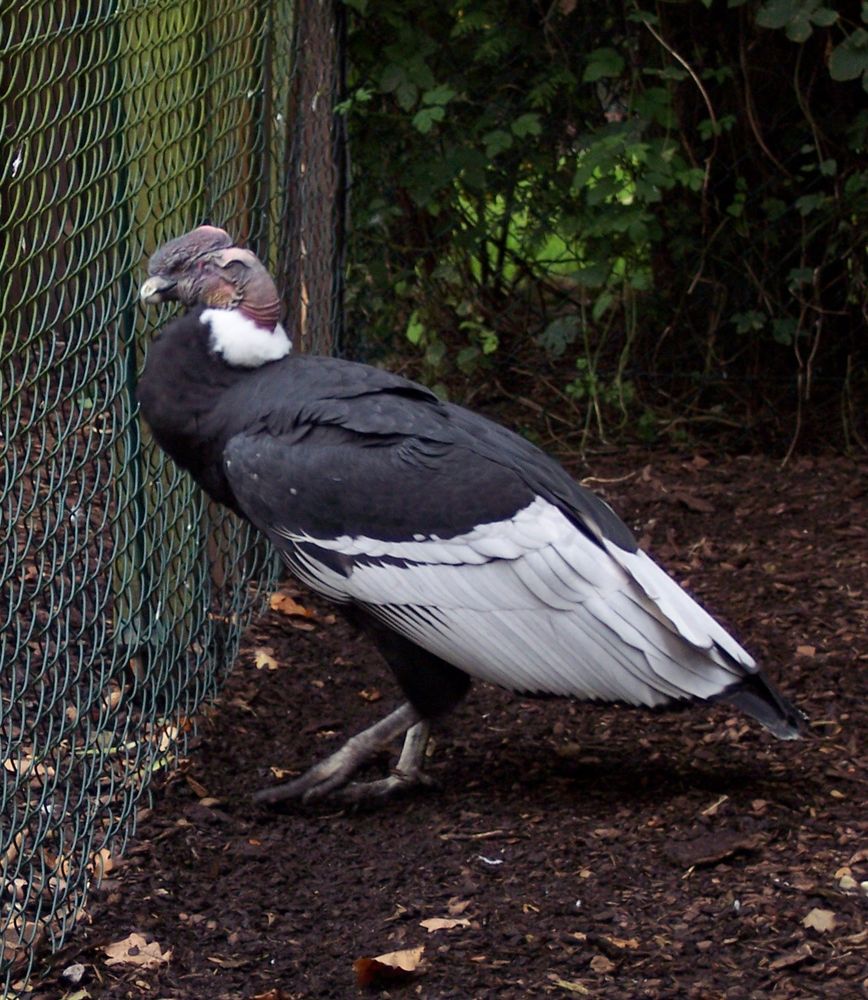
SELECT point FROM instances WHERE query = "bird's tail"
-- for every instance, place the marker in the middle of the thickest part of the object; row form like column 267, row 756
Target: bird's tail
column 760, row 699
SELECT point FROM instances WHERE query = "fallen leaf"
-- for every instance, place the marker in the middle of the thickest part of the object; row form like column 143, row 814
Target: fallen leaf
column 711, row 848
column 607, row 832
column 443, row 923
column 391, row 968
column 199, row 790
column 713, row 808
column 136, row 950
column 302, row 624
column 227, row 963
column 271, row 995
column 370, row 694
column 806, row 650
column 791, row 958
column 617, row 942
column 101, row 863
column 601, row 964
column 820, row 920
column 287, row 605
column 456, row 906
column 692, row 502
column 73, row 974
column 572, row 987
column 263, row 659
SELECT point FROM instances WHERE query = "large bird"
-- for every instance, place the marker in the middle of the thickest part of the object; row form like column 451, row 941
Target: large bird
column 465, row 550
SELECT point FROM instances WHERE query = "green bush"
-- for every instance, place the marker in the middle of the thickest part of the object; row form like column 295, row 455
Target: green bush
column 662, row 205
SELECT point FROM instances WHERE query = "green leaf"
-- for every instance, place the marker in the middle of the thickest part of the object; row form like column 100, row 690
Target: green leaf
column 391, row 78
column 496, row 142
column 778, row 13
column 438, row 95
column 556, row 337
column 748, row 322
column 489, row 341
column 800, row 276
column 824, row 17
column 527, row 124
column 601, row 306
column 406, row 94
column 467, row 359
column 785, row 330
column 601, row 63
column 809, row 203
column 592, row 276
column 796, row 16
column 423, row 120
column 436, row 353
column 415, row 329
column 849, row 60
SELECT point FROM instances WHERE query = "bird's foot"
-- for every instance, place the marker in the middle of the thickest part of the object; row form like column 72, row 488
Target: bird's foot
column 369, row 793
column 329, row 779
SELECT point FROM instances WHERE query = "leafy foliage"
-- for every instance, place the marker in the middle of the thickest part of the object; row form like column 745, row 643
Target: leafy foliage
column 668, row 199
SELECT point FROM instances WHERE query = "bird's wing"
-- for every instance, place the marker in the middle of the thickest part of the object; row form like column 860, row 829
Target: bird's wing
column 517, row 594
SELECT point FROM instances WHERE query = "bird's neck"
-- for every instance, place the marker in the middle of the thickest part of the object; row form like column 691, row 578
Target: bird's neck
column 242, row 340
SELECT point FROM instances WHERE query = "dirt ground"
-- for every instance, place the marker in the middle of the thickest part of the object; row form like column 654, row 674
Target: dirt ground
column 576, row 850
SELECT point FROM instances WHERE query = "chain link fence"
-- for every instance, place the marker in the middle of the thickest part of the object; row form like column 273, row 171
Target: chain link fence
column 123, row 593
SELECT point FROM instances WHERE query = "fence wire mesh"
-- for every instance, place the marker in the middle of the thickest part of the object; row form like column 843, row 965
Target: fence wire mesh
column 122, row 592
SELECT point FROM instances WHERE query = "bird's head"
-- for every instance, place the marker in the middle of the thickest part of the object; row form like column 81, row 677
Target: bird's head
column 204, row 267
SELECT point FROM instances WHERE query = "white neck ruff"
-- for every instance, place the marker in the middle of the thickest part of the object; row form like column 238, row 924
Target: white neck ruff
column 242, row 343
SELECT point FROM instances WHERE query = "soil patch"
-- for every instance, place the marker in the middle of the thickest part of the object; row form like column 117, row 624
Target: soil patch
column 571, row 849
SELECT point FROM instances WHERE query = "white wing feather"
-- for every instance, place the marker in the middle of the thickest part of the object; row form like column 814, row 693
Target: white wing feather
column 535, row 605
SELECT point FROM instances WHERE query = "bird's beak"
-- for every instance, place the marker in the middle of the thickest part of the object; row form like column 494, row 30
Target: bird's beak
column 156, row 290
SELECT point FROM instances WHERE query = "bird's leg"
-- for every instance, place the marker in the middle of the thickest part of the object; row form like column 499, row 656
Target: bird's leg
column 406, row 774
column 330, row 777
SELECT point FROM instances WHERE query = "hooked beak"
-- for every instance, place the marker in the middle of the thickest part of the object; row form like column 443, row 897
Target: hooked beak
column 156, row 290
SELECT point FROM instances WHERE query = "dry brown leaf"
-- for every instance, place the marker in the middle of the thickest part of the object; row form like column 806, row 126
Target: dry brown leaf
column 791, row 958
column 370, row 694
column 455, row 906
column 199, row 790
column 806, row 650
column 228, row 963
column 601, row 964
column 271, row 995
column 820, row 920
column 287, row 605
column 135, row 950
column 713, row 808
column 708, row 849
column 443, row 923
column 692, row 502
column 302, row 624
column 392, row 968
column 263, row 659
column 101, row 863
column 572, row 987
column 617, row 942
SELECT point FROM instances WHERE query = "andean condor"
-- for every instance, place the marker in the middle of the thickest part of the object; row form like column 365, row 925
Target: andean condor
column 466, row 551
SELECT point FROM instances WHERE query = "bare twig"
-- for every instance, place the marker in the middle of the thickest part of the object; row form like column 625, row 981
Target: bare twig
column 700, row 86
